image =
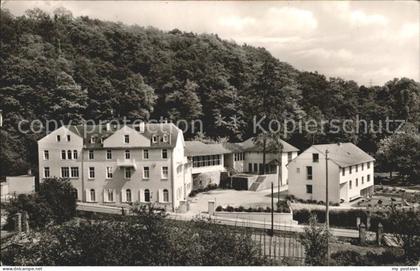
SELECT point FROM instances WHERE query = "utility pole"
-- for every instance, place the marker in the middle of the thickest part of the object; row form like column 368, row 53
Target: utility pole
column 327, row 211
column 272, row 209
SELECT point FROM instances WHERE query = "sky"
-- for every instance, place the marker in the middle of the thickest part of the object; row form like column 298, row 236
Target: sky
column 369, row 42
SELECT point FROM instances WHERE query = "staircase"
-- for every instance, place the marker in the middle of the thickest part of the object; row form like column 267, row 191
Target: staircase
column 256, row 184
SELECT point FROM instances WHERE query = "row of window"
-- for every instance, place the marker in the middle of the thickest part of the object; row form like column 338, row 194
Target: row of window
column 126, row 196
column 66, row 172
column 59, row 138
column 69, row 154
column 207, row 160
column 258, row 168
column 362, row 165
column 127, row 154
column 239, row 156
column 357, row 181
column 309, row 186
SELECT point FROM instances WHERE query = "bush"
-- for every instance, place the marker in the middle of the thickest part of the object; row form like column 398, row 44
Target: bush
column 219, row 208
column 348, row 258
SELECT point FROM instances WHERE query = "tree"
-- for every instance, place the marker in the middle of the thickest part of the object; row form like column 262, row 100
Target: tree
column 405, row 225
column 315, row 241
column 68, row 100
column 183, row 102
column 401, row 152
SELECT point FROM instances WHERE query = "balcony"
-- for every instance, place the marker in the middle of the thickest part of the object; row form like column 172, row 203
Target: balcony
column 127, row 163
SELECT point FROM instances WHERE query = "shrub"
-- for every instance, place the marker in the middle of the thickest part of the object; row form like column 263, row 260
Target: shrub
column 219, row 208
column 348, row 258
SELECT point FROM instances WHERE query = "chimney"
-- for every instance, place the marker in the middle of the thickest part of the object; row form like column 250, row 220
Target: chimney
column 142, row 127
column 108, row 126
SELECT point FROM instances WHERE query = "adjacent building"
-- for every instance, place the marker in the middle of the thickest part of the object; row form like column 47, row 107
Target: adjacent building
column 350, row 173
column 17, row 185
column 112, row 164
column 243, row 160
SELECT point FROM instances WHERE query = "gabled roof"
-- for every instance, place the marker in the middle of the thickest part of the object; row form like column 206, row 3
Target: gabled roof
column 249, row 145
column 198, row 148
column 100, row 131
column 344, row 154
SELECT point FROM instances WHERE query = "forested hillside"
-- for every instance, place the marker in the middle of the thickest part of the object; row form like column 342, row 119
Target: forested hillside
column 64, row 68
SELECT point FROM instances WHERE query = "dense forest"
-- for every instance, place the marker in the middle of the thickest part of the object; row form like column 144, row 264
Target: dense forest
column 55, row 66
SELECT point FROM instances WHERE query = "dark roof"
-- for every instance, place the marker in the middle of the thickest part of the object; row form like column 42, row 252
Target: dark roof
column 344, row 154
column 198, row 148
column 250, row 146
column 101, row 131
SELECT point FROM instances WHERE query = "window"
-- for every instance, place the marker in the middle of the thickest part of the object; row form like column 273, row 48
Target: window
column 145, row 154
column 165, row 138
column 309, row 189
column 239, row 156
column 146, row 173
column 74, row 193
column 109, row 172
column 69, row 154
column 92, row 140
column 147, row 195
column 74, row 172
column 91, row 155
column 46, row 155
column 315, row 157
column 127, row 154
column 363, row 179
column 368, row 164
column 165, row 195
column 46, row 172
column 128, row 195
column 63, row 154
column 91, row 173
column 363, row 166
column 110, row 195
column 126, row 139
column 343, row 171
column 68, row 138
column 368, row 178
column 289, row 156
column 249, row 167
column 65, row 172
column 92, row 195
column 309, row 173
column 255, row 167
column 357, row 168
column 75, row 155
column 350, row 168
column 207, row 160
column 357, row 182
column 350, row 184
column 164, row 153
column 297, row 170
column 154, row 139
column 108, row 154
column 58, row 138
column 127, row 173
column 164, row 172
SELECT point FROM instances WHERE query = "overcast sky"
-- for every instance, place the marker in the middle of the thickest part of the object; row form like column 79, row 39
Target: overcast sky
column 363, row 41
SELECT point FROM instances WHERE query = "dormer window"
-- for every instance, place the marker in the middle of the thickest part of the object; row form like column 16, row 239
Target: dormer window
column 68, row 138
column 126, row 139
column 165, row 138
column 315, row 157
column 154, row 139
column 58, row 138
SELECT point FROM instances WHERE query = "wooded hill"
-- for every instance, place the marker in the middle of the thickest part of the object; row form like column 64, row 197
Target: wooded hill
column 65, row 68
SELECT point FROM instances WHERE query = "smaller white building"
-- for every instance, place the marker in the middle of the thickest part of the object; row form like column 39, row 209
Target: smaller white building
column 350, row 173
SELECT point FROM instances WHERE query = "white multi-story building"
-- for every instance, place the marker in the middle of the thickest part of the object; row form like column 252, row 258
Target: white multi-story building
column 113, row 164
column 350, row 173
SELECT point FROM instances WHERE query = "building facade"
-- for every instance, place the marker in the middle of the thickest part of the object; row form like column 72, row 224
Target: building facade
column 350, row 173
column 210, row 160
column 115, row 165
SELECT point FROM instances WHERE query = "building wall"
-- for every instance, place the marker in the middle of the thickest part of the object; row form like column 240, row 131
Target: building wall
column 20, row 184
column 298, row 177
column 361, row 176
column 55, row 162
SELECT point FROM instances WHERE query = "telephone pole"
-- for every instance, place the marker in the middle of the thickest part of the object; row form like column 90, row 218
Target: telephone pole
column 327, row 211
column 272, row 209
